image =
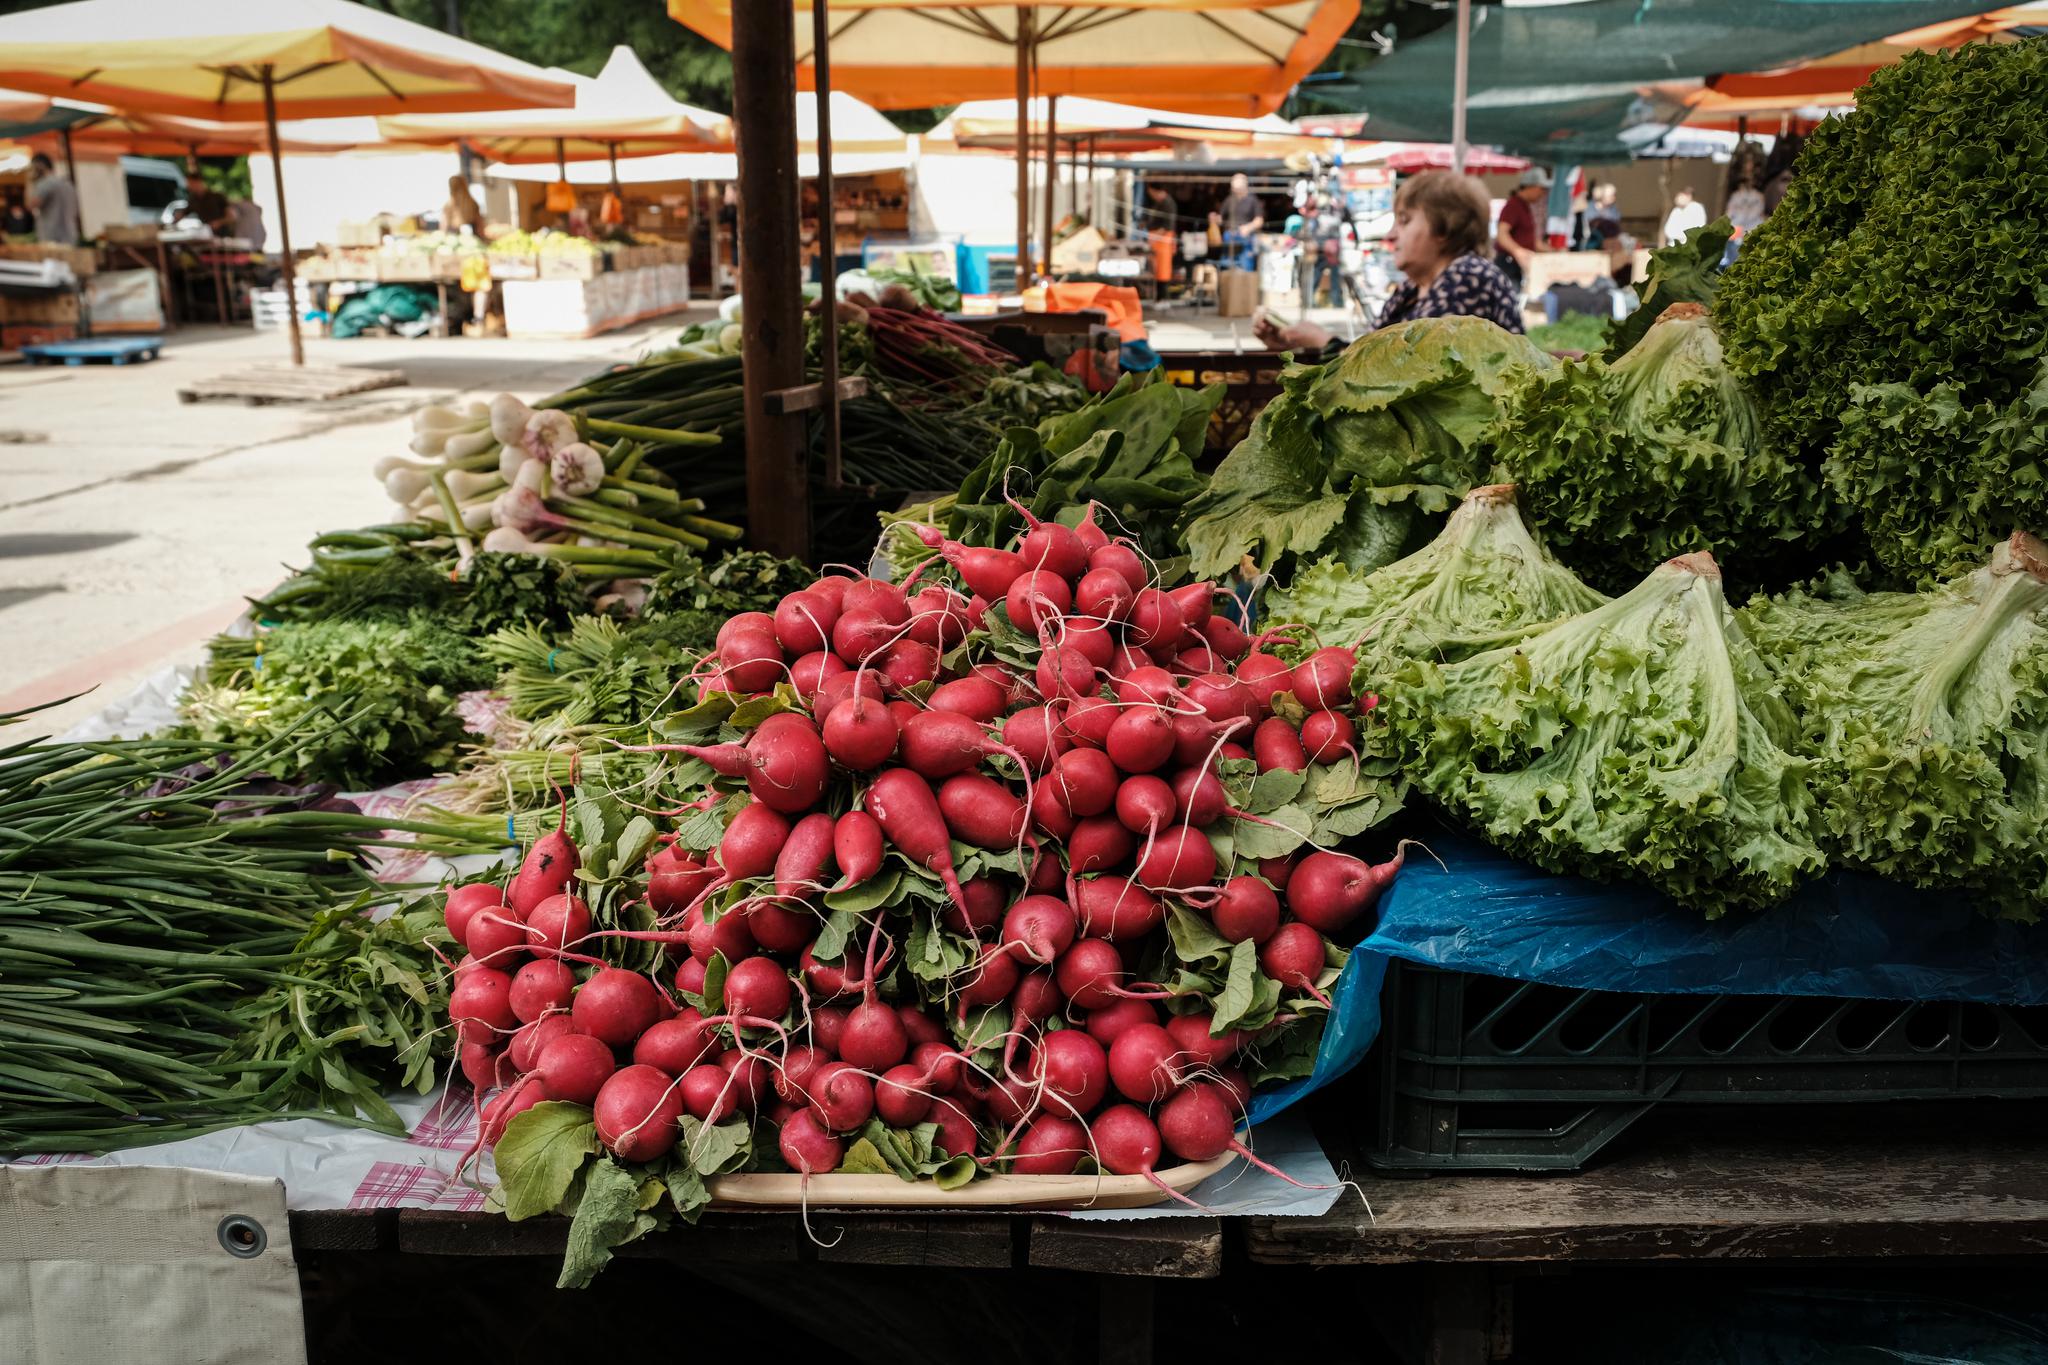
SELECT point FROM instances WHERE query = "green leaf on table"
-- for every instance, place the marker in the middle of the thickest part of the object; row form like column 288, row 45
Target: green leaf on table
column 608, row 1216
column 1194, row 940
column 754, row 710
column 862, row 1158
column 1249, row 997
column 959, row 1171
column 714, row 1148
column 830, row 945
column 854, row 901
column 633, row 843
column 1289, row 829
column 1273, row 789
column 704, row 829
column 539, row 1154
column 714, row 985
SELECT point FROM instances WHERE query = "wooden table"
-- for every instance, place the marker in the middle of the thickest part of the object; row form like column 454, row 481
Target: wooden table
column 1824, row 1192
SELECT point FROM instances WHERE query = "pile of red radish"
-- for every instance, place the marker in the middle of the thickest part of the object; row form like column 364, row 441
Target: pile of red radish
column 1094, row 765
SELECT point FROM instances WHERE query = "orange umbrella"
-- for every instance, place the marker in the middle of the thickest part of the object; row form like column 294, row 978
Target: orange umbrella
column 168, row 135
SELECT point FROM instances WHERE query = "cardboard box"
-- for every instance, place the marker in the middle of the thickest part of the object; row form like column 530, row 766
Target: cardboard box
column 15, row 335
column 1237, row 293
column 1078, row 254
column 505, row 266
column 57, row 307
column 570, row 265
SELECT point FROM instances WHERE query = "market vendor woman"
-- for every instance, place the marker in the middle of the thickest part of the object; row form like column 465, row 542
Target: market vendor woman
column 1440, row 223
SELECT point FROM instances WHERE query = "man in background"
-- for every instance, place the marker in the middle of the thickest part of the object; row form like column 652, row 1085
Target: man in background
column 207, row 205
column 54, row 201
column 1241, row 218
column 1516, row 236
column 1686, row 215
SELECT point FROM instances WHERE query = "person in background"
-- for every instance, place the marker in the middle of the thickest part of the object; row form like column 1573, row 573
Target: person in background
column 461, row 210
column 248, row 220
column 54, row 201
column 1439, row 240
column 1161, row 212
column 1745, row 207
column 1241, row 218
column 16, row 220
column 208, row 205
column 1604, row 206
column 1686, row 214
column 1517, row 236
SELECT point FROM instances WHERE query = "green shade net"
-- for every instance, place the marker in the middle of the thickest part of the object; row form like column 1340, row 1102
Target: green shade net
column 56, row 120
column 1563, row 83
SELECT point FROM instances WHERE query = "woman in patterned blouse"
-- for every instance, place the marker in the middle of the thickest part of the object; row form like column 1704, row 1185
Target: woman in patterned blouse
column 1440, row 231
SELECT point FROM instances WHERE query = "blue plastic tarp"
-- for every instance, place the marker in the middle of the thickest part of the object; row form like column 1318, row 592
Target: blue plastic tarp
column 1845, row 935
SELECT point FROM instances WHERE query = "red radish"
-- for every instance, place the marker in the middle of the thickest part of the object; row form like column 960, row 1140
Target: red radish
column 727, row 760
column 1155, row 620
column 775, row 927
column 1190, row 1033
column 1195, row 1125
column 1104, row 594
column 1326, row 736
column 1235, row 752
column 803, row 622
column 938, row 616
column 1194, row 737
column 1100, row 842
column 1144, row 805
column 1052, row 1145
column 1329, row 890
column 873, row 1038
column 709, row 1094
column 856, row 847
column 827, row 979
column 907, row 663
column 749, row 1078
column 806, row 1147
column 1276, row 744
column 1247, row 909
column 810, row 672
column 799, row 1067
column 1144, row 1064
column 758, row 987
column 1011, row 1099
column 556, row 925
column 1091, row 536
column 1322, row 681
column 1293, row 956
column 1065, row 673
column 1036, row 999
column 483, row 998
column 1091, row 973
column 920, row 1027
column 1086, row 721
column 1127, row 660
column 465, row 901
column 1034, row 734
column 804, row 864
column 1148, row 683
column 977, row 698
column 859, row 636
column 903, row 1096
column 1046, row 877
column 841, row 1098
column 545, row 870
column 1084, row 782
column 1051, row 547
column 1180, row 858
column 540, row 988
column 496, row 937
column 938, row 1064
column 479, row 1063
column 1265, row 677
column 728, row 935
column 828, row 1022
column 1041, row 926
column 1199, row 798
column 1140, row 740
column 1113, row 908
column 981, row 812
column 840, row 686
column 1125, row 561
column 639, row 1113
column 985, row 899
column 573, row 1068
column 987, row 573
column 526, row 1044
column 909, row 815
column 690, row 976
column 1279, row 870
column 1092, row 639
column 1196, row 658
column 752, row 841
column 1048, row 811
column 503, row 1109
column 956, row 1135
column 1036, row 598
column 675, row 1045
column 1236, row 1087
column 938, row 744
column 993, row 977
column 832, row 587
column 751, row 661
column 886, row 600
column 1126, row 1143
column 616, row 1006
column 1108, row 1022
column 746, row 621
column 1075, row 1069
column 1220, row 696
column 1226, row 637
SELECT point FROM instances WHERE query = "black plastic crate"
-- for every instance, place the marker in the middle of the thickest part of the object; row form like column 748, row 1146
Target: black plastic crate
column 1483, row 1073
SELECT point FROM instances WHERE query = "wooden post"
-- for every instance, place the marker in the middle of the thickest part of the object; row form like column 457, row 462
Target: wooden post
column 828, row 254
column 1052, row 170
column 1023, row 147
column 284, row 222
column 1460, row 77
column 71, row 169
column 772, row 322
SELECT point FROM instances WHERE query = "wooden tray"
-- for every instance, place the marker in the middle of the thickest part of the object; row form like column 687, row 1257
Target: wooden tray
column 996, row 1192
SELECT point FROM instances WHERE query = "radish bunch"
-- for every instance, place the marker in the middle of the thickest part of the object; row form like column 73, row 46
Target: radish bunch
column 958, row 861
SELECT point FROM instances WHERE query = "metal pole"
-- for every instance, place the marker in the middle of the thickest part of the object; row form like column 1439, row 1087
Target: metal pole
column 1023, row 147
column 1052, row 170
column 284, row 222
column 772, row 321
column 71, row 169
column 1460, row 76
column 1091, row 177
column 611, row 156
column 828, row 255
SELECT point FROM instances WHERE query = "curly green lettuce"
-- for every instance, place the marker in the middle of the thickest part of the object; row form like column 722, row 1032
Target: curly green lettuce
column 1927, row 714
column 1638, row 741
column 1655, row 455
column 1485, row 581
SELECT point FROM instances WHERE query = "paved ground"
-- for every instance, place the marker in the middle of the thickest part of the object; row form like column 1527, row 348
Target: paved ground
column 132, row 526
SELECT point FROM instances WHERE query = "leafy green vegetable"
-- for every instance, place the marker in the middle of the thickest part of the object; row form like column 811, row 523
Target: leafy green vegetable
column 1687, row 271
column 540, row 1154
column 1133, row 450
column 598, row 673
column 1624, row 465
column 742, row 580
column 1927, row 714
column 1483, row 582
column 501, row 590
column 1639, row 740
column 1352, row 454
column 1893, row 311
